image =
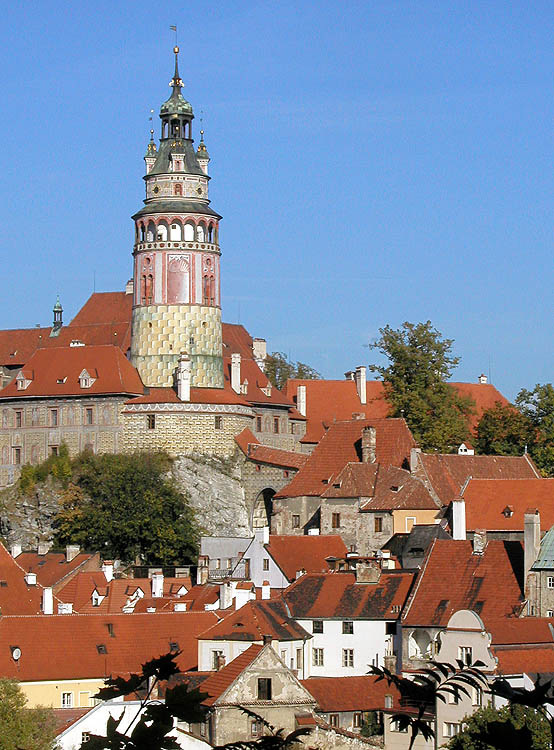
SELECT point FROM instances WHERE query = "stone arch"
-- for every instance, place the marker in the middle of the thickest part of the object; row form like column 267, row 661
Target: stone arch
column 190, row 231
column 263, row 508
column 420, row 644
column 162, row 231
column 176, row 230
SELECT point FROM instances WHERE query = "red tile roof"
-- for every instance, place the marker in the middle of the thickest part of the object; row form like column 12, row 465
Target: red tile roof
column 339, row 595
column 308, row 553
column 253, row 449
column 520, row 631
column 105, row 308
column 197, row 396
column 200, row 595
column 525, row 660
column 254, row 620
column 236, row 340
column 56, row 373
column 65, row 717
column 340, row 445
column 487, row 499
column 488, row 583
column 18, row 345
column 485, row 396
column 53, row 567
column 257, row 380
column 357, row 693
column 447, row 474
column 218, row 682
column 64, row 647
column 16, row 596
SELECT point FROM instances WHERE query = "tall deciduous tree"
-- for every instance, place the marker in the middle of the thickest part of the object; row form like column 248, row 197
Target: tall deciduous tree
column 503, row 431
column 279, row 369
column 22, row 727
column 419, row 362
column 507, row 727
column 125, row 506
column 538, row 406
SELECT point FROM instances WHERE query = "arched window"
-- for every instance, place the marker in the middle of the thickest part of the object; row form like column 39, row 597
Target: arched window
column 178, row 189
column 201, row 232
column 149, row 289
column 162, row 233
column 189, row 232
column 143, row 289
column 176, row 231
column 175, row 128
column 208, row 297
column 151, row 232
column 211, row 233
column 142, row 233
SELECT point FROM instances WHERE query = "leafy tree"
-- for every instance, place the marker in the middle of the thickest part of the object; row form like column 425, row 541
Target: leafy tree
column 150, row 727
column 420, row 361
column 507, row 727
column 279, row 369
column 538, row 406
column 56, row 466
column 373, row 725
column 125, row 506
column 22, row 727
column 503, row 431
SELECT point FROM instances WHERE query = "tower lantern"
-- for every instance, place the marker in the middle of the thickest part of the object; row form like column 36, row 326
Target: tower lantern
column 176, row 305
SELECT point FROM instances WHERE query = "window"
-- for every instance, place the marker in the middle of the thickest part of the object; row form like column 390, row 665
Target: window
column 335, row 520
column 17, row 456
column 410, row 521
column 219, row 423
column 465, row 654
column 217, row 658
column 477, row 696
column 388, row 701
column 357, row 720
column 348, row 627
column 378, row 524
column 203, row 728
column 67, row 700
column 551, row 582
column 88, row 415
column 292, row 428
column 395, row 726
column 390, row 628
column 258, row 424
column 53, row 450
column 317, row 626
column 151, row 421
column 258, row 467
column 334, row 720
column 295, row 521
column 348, row 657
column 266, row 563
column 53, row 417
column 276, row 425
column 317, row 657
column 217, row 563
column 85, row 737
column 229, row 563
column 550, row 612
column 256, row 728
column 264, row 688
column 18, row 418
column 286, row 474
column 451, row 729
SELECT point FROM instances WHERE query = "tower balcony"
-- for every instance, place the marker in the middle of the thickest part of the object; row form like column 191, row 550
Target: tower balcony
column 207, row 247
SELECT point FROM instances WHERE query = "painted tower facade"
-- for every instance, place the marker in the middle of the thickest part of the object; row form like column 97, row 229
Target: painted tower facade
column 176, row 307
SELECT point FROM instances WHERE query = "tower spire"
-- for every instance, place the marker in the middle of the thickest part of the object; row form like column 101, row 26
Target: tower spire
column 176, row 81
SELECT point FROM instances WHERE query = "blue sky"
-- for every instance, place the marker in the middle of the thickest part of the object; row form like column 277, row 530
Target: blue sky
column 374, row 162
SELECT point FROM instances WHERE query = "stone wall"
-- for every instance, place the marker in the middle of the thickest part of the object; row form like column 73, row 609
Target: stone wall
column 257, row 477
column 290, row 431
column 285, row 509
column 356, row 529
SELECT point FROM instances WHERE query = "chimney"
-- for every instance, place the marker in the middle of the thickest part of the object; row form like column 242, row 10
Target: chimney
column 71, row 552
column 43, row 548
column 479, row 541
column 47, row 601
column 261, row 534
column 157, row 585
column 483, row 379
column 107, row 569
column 129, row 287
column 259, row 350
column 15, row 549
column 360, row 378
column 301, row 399
column 31, row 579
column 235, row 372
column 459, row 518
column 266, row 590
column 225, row 595
column 531, row 538
column 350, row 375
column 184, row 375
column 414, row 458
column 202, row 572
column 369, row 445
column 267, row 639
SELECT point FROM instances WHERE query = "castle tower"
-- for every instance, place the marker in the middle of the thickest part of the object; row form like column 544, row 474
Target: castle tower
column 176, row 306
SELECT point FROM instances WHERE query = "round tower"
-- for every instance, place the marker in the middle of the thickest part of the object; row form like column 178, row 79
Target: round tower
column 176, row 306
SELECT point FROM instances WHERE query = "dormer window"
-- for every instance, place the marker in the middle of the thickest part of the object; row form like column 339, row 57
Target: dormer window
column 508, row 511
column 23, row 380
column 85, row 379
column 61, row 381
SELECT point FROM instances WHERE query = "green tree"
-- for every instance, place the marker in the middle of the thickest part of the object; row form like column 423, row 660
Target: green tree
column 419, row 362
column 538, row 406
column 279, row 369
column 125, row 506
column 22, row 727
column 503, row 431
column 508, row 727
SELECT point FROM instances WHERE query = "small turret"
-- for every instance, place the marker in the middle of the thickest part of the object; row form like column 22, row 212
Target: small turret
column 151, row 153
column 58, row 321
column 202, row 154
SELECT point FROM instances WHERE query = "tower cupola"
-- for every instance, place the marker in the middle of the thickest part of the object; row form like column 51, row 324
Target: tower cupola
column 57, row 323
column 176, row 113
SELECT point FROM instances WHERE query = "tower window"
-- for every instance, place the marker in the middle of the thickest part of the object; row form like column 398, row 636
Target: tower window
column 88, row 415
column 219, row 423
column 276, row 425
column 258, row 424
column 53, row 417
column 151, row 421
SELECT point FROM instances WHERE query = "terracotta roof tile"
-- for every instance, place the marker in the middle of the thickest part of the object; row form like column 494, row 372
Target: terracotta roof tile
column 253, row 449
column 105, row 308
column 357, row 693
column 16, row 596
column 294, row 553
column 257, row 380
column 254, row 620
column 18, row 345
column 340, row 445
column 397, row 489
column 69, row 643
column 197, row 396
column 487, row 499
column 52, row 567
column 446, row 474
column 339, row 595
column 509, row 631
column 488, row 583
column 529, row 660
column 485, row 396
column 218, row 682
column 57, row 370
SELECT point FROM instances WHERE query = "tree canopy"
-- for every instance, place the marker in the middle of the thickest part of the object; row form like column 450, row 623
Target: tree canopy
column 419, row 362
column 22, row 727
column 507, row 727
column 279, row 369
column 503, row 431
column 125, row 506
column 538, row 406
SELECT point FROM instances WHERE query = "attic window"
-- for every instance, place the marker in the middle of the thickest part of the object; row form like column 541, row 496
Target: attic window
column 60, row 381
column 109, row 625
column 101, row 648
column 508, row 511
column 478, row 607
column 173, row 647
column 395, row 488
column 85, row 379
column 3, row 584
column 238, row 625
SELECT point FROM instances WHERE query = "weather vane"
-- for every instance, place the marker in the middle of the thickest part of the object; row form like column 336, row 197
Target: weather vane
column 174, row 28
